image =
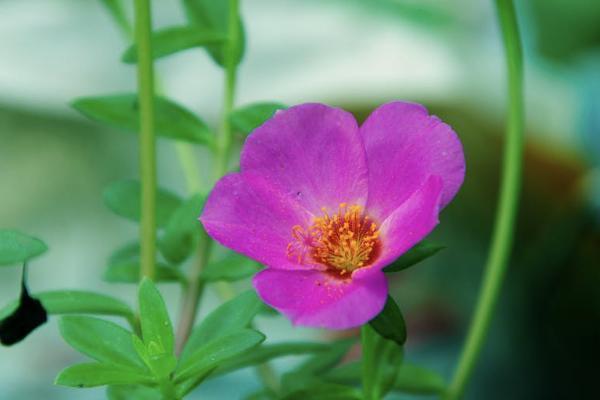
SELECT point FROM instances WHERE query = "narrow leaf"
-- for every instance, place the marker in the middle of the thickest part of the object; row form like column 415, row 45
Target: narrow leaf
column 213, row 353
column 418, row 253
column 129, row 272
column 118, row 14
column 229, row 317
column 182, row 231
column 17, row 247
column 173, row 39
column 370, row 358
column 380, row 359
column 157, row 330
column 307, row 372
column 214, row 15
column 418, row 380
column 186, row 386
column 267, row 353
column 231, row 268
column 97, row 374
column 409, row 378
column 389, row 323
column 325, row 391
column 324, row 361
column 123, row 198
column 81, row 302
column 77, row 302
column 125, row 253
column 104, row 341
column 250, row 117
column 131, row 392
column 349, row 373
column 122, row 111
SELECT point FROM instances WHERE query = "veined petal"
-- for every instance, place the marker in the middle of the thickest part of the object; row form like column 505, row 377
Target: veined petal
column 316, row 299
column 405, row 145
column 407, row 225
column 246, row 214
column 312, row 152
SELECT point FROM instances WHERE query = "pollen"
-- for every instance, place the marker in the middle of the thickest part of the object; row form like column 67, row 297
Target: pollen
column 342, row 242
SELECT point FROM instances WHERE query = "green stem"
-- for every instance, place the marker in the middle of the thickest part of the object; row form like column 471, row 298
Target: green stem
column 367, row 342
column 143, row 27
column 195, row 284
column 231, row 51
column 502, row 238
column 167, row 389
column 193, row 293
column 185, row 154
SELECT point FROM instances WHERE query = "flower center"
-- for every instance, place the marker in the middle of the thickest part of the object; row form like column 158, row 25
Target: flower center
column 343, row 242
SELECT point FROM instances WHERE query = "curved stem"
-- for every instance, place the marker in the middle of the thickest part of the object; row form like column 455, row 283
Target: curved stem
column 502, row 238
column 147, row 140
column 195, row 284
column 193, row 293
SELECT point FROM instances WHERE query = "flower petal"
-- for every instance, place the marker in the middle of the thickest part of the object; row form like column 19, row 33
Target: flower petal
column 246, row 214
column 407, row 225
column 312, row 152
column 313, row 298
column 404, row 147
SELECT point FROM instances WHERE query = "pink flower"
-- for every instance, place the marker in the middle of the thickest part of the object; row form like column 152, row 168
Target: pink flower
column 326, row 205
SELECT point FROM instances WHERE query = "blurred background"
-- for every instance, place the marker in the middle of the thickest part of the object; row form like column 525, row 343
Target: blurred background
column 54, row 164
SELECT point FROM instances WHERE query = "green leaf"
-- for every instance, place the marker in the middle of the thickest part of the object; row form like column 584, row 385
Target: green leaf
column 349, row 373
column 389, row 323
column 123, row 198
column 125, row 253
column 229, row 317
column 231, row 268
column 250, row 117
column 122, row 111
column 305, row 374
column 324, row 361
column 381, row 358
column 418, row 253
column 173, row 39
column 97, row 374
column 130, row 392
column 81, row 302
column 267, row 353
column 214, row 16
column 370, row 361
column 129, row 272
column 185, row 387
column 157, row 330
column 182, row 231
column 409, row 378
column 101, row 340
column 325, row 391
column 118, row 14
column 76, row 302
column 213, row 353
column 140, row 348
column 418, row 380
column 16, row 247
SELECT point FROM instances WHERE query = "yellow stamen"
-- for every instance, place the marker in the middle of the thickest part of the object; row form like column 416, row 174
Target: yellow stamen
column 344, row 242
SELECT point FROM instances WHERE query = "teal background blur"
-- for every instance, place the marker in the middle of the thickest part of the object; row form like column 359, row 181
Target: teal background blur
column 54, row 164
